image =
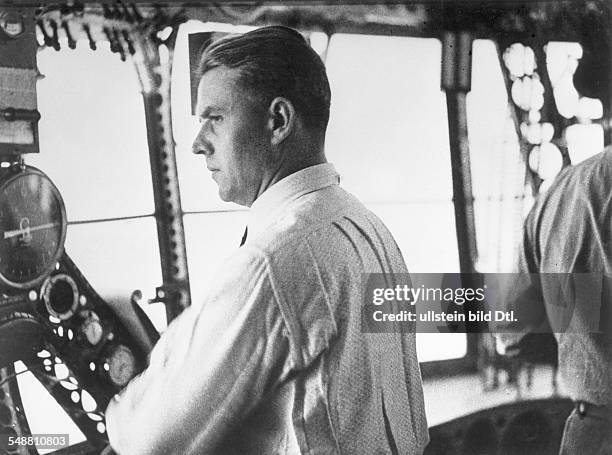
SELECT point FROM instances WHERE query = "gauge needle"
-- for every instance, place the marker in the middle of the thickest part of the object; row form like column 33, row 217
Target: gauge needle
column 17, row 232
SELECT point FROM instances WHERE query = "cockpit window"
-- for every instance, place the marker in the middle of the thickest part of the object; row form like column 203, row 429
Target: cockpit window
column 94, row 147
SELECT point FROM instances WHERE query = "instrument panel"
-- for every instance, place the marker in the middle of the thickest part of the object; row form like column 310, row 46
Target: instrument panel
column 74, row 342
column 82, row 348
column 93, row 341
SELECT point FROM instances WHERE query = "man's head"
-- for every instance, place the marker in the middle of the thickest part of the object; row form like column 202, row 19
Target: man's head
column 263, row 101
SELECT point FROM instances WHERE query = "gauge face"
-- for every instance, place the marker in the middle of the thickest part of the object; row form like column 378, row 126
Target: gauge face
column 11, row 24
column 32, row 228
column 61, row 296
column 121, row 365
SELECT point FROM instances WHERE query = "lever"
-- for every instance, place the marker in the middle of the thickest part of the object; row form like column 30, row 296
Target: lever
column 71, row 41
column 47, row 38
column 92, row 43
column 55, row 37
column 11, row 114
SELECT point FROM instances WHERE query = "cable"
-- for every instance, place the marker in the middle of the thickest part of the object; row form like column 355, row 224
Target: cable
column 105, row 220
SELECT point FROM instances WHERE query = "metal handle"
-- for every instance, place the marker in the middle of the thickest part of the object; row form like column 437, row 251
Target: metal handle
column 11, row 114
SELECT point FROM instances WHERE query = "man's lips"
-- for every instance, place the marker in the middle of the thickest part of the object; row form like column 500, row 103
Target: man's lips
column 213, row 172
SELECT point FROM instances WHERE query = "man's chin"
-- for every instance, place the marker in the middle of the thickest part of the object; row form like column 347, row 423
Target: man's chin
column 224, row 196
column 227, row 197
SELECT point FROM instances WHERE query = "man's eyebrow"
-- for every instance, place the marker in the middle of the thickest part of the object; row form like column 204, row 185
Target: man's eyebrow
column 208, row 110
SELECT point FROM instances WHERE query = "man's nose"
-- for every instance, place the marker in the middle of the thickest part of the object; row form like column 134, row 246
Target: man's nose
column 200, row 145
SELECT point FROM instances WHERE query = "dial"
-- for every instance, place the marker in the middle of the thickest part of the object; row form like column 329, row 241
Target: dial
column 32, row 228
column 11, row 24
column 121, row 365
column 61, row 296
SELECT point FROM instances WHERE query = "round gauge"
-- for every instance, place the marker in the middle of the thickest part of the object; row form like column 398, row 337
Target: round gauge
column 121, row 365
column 32, row 228
column 61, row 296
column 11, row 23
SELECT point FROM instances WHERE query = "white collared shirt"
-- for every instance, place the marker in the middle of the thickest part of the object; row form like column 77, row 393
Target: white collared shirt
column 563, row 285
column 274, row 361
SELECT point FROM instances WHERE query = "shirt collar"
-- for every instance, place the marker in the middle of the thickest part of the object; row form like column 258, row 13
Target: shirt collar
column 273, row 201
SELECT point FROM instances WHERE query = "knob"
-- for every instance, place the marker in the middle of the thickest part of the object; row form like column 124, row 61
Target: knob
column 91, row 328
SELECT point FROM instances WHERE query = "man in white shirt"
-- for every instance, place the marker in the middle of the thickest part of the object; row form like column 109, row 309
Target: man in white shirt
column 275, row 360
column 563, row 287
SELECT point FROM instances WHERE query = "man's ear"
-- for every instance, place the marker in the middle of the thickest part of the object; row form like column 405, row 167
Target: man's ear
column 281, row 119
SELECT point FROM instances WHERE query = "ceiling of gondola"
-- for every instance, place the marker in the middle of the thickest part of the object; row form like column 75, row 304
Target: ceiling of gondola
column 551, row 20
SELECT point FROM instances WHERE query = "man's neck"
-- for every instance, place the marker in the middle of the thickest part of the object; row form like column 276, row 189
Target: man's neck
column 291, row 161
column 297, row 155
column 292, row 168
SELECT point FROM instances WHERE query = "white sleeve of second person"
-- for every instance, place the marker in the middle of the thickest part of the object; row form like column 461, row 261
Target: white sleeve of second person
column 208, row 370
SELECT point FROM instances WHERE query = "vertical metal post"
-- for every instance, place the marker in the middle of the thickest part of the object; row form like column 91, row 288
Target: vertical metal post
column 156, row 78
column 456, row 82
column 168, row 213
column 462, row 184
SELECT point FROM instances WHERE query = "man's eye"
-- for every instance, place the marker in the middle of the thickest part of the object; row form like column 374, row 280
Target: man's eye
column 211, row 119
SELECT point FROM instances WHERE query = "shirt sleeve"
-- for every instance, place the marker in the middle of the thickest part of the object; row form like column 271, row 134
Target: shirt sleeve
column 522, row 292
column 208, row 370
